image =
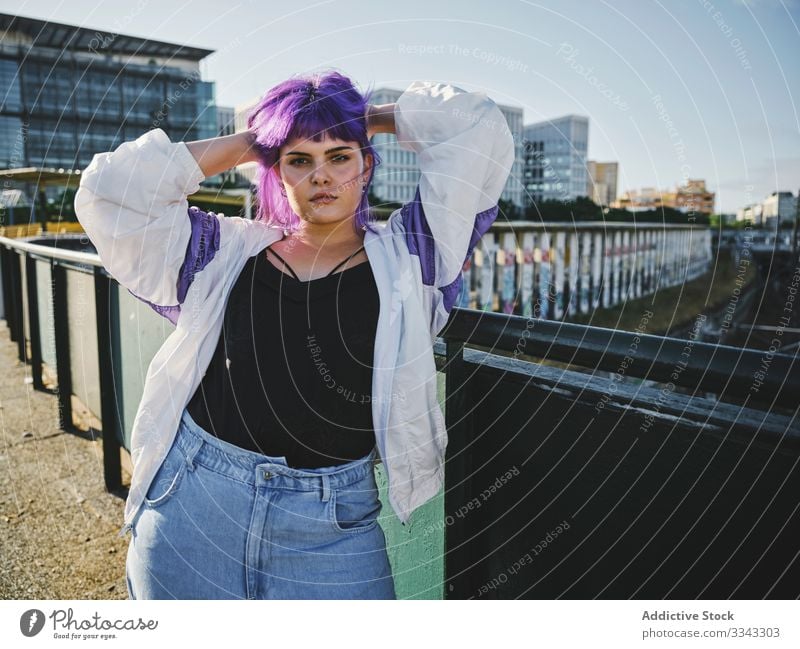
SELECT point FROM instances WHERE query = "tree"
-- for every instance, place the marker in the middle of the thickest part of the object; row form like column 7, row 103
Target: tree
column 507, row 210
column 62, row 207
column 553, row 210
column 584, row 210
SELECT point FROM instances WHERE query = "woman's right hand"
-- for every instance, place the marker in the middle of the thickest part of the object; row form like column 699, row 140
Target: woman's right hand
column 380, row 119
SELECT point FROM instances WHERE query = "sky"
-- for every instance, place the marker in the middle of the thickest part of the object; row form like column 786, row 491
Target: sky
column 673, row 89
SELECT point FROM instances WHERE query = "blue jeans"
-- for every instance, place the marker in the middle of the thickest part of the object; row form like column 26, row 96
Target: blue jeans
column 222, row 522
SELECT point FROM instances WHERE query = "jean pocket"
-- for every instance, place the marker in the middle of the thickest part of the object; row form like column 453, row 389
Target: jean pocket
column 355, row 508
column 168, row 478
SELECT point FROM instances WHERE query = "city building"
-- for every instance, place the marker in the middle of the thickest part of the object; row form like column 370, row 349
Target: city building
column 226, row 125
column 554, row 159
column 226, row 122
column 70, row 92
column 750, row 213
column 778, row 205
column 396, row 178
column 602, row 187
column 641, row 200
column 691, row 198
column 514, row 191
column 240, row 113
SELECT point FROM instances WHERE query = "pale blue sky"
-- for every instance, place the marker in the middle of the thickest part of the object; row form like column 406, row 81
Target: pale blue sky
column 727, row 71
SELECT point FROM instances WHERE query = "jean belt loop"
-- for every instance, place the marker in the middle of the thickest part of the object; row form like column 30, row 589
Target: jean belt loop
column 193, row 444
column 326, row 487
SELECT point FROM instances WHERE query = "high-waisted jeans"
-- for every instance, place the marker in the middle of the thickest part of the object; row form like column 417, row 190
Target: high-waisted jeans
column 222, row 522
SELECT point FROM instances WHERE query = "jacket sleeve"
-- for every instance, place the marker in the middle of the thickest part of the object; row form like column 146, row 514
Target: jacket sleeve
column 132, row 203
column 465, row 152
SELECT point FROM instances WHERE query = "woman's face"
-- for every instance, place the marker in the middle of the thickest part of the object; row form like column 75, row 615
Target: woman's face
column 334, row 167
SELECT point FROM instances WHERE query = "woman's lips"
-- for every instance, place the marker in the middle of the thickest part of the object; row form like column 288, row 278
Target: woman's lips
column 323, row 200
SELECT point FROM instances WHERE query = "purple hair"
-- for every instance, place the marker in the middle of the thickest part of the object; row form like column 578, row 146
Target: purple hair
column 308, row 107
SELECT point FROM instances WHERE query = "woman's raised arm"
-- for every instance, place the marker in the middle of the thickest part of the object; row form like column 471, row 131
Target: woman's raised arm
column 219, row 154
column 465, row 152
column 132, row 203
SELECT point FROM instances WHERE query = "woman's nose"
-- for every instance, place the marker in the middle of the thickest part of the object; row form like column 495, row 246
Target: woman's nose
column 319, row 174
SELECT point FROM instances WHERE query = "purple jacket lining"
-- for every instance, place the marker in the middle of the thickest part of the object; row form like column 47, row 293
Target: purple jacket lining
column 205, row 231
column 420, row 242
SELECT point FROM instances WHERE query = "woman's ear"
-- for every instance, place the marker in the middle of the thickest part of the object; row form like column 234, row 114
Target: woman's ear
column 368, row 160
column 278, row 179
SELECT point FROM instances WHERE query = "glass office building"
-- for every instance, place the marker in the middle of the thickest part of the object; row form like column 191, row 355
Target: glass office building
column 70, row 92
column 555, row 159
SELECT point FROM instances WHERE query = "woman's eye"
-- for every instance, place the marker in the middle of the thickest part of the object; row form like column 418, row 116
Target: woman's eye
column 339, row 158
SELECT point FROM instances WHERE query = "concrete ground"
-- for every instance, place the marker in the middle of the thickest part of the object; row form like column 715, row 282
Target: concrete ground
column 58, row 524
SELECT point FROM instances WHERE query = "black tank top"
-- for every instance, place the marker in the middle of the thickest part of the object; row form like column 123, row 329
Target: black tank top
column 292, row 371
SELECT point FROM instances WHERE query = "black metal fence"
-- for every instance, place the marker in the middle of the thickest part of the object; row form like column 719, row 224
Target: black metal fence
column 22, row 302
column 644, row 467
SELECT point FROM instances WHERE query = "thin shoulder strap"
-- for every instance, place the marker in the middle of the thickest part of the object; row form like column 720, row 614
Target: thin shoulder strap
column 291, row 270
column 344, row 261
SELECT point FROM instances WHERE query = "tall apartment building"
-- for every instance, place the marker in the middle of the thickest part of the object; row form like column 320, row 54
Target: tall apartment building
column 396, row 178
column 226, row 125
column 247, row 170
column 602, row 187
column 554, row 159
column 514, row 190
column 70, row 92
column 226, row 122
column 778, row 205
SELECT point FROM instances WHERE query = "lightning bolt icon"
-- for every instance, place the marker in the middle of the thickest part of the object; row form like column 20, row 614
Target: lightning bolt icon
column 32, row 620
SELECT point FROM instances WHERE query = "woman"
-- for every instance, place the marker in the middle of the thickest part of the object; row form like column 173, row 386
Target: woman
column 302, row 352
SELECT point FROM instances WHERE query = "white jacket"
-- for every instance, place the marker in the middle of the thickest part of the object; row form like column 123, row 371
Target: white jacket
column 132, row 202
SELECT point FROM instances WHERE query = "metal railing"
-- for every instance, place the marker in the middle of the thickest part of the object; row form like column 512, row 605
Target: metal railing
column 25, row 292
column 549, row 400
